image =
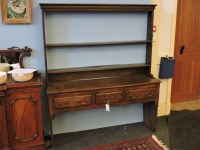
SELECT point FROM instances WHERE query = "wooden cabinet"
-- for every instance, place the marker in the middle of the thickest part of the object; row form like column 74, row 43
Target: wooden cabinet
column 82, row 88
column 4, row 142
column 21, row 115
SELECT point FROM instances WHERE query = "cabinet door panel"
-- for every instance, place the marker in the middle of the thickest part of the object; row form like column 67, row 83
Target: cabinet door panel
column 23, row 120
column 3, row 126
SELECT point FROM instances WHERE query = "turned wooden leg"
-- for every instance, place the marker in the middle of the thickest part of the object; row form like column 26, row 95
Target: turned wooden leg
column 150, row 115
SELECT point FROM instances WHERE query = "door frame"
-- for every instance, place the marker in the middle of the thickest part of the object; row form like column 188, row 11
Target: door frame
column 166, row 84
column 172, row 47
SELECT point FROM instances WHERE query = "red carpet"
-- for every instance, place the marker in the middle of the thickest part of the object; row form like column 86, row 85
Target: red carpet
column 147, row 143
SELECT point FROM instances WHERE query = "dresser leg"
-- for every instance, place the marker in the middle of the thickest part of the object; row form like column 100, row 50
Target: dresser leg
column 150, row 115
column 50, row 140
column 51, row 128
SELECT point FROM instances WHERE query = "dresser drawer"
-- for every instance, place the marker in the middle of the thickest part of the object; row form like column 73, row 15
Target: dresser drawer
column 141, row 94
column 73, row 101
column 112, row 97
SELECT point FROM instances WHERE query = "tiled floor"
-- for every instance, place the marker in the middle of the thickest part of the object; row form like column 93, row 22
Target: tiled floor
column 189, row 105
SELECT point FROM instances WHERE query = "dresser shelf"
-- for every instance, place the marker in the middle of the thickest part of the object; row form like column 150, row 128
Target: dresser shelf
column 97, row 43
column 50, row 7
column 96, row 68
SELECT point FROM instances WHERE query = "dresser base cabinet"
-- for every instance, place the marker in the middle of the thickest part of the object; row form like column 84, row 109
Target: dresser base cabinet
column 86, row 97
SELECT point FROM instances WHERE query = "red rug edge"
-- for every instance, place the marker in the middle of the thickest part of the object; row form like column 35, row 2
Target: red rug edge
column 122, row 142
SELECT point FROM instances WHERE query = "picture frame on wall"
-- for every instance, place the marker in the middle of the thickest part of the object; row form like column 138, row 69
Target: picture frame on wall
column 16, row 11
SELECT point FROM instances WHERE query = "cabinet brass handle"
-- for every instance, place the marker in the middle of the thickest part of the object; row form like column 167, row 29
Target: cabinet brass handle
column 134, row 97
column 63, row 104
column 150, row 95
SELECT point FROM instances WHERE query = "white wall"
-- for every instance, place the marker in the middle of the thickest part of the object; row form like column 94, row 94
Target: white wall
column 31, row 36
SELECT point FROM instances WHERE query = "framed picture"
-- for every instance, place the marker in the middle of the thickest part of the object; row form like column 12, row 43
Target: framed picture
column 16, row 11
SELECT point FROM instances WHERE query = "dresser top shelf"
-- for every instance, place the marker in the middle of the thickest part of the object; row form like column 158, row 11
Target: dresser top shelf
column 96, row 7
column 97, row 43
column 105, row 76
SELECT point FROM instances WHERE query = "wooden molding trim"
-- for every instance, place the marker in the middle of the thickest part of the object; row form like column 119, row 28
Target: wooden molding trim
column 96, row 7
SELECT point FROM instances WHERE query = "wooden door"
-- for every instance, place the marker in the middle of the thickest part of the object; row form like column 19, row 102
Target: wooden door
column 4, row 142
column 186, row 81
column 24, row 120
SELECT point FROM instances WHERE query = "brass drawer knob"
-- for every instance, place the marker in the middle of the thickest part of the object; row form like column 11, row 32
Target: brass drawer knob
column 83, row 103
column 150, row 95
column 133, row 97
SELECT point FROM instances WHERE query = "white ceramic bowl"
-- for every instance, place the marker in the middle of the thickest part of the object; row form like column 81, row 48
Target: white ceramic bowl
column 3, row 77
column 5, row 67
column 15, row 66
column 22, row 75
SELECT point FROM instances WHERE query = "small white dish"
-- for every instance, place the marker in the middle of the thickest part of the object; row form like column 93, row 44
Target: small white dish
column 22, row 75
column 5, row 67
column 15, row 66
